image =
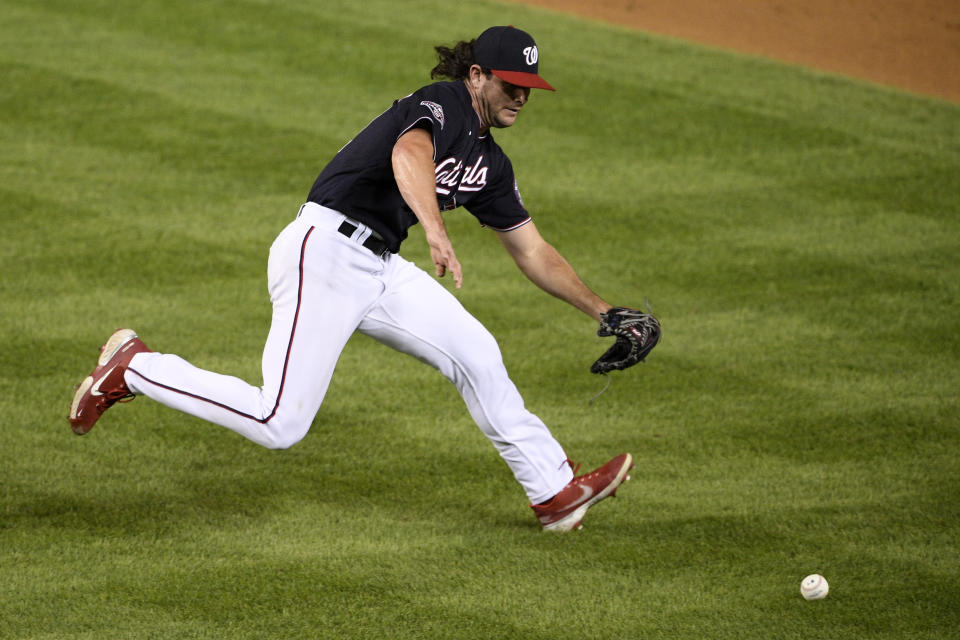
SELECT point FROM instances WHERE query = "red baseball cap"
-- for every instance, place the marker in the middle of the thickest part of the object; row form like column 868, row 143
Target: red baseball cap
column 511, row 54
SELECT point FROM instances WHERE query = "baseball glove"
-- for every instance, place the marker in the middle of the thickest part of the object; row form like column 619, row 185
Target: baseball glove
column 637, row 334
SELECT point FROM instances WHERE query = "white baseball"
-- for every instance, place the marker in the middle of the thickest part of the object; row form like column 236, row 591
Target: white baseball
column 814, row 587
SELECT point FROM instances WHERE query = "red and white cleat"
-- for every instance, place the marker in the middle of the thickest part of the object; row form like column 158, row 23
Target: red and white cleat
column 565, row 510
column 104, row 387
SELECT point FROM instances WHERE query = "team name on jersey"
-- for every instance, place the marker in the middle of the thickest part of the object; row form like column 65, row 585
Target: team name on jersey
column 448, row 176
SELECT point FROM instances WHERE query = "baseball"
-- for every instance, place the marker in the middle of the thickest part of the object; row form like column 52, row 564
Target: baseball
column 814, row 587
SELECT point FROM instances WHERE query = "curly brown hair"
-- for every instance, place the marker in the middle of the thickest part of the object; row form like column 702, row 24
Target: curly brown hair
column 454, row 62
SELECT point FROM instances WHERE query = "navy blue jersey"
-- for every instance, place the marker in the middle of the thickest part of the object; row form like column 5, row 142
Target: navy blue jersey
column 471, row 170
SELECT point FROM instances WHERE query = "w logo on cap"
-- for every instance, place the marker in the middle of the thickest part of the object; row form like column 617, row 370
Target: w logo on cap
column 511, row 55
column 531, row 54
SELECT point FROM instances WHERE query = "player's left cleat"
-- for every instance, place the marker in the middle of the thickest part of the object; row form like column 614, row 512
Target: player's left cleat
column 565, row 510
column 104, row 387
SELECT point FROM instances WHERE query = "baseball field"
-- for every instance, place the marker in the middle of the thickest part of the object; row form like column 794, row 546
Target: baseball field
column 796, row 232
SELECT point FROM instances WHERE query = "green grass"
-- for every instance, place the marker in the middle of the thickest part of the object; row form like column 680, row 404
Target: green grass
column 796, row 232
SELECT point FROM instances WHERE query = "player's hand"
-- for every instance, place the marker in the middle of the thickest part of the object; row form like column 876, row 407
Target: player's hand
column 444, row 259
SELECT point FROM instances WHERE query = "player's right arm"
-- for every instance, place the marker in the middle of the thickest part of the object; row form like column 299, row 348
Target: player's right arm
column 413, row 169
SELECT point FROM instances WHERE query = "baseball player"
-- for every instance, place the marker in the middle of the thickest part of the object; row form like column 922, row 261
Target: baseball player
column 335, row 269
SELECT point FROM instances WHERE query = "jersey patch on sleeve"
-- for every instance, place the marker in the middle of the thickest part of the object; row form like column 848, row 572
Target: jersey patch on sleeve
column 435, row 109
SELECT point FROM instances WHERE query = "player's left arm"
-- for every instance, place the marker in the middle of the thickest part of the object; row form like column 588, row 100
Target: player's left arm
column 549, row 270
column 636, row 333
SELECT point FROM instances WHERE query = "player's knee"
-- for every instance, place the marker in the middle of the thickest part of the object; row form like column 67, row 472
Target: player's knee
column 284, row 434
column 283, row 441
column 479, row 367
column 483, row 356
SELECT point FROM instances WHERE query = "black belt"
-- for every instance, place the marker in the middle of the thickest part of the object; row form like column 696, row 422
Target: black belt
column 375, row 245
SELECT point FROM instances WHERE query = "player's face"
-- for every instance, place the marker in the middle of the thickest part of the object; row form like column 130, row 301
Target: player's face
column 500, row 101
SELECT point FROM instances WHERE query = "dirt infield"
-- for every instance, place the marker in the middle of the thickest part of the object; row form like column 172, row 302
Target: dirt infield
column 910, row 44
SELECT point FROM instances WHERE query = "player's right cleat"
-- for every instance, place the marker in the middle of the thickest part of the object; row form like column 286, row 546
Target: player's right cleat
column 104, row 387
column 565, row 510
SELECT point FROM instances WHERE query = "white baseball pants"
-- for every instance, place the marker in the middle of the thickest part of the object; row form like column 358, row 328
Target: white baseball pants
column 324, row 286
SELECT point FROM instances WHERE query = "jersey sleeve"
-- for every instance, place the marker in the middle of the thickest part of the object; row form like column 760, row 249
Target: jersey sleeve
column 433, row 110
column 499, row 205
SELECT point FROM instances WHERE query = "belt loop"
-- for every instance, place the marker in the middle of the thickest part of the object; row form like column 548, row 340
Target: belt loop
column 364, row 236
